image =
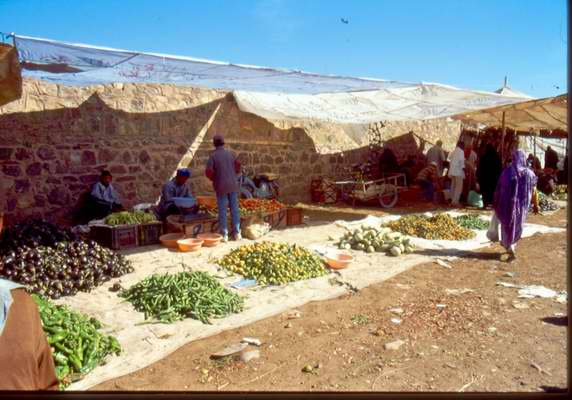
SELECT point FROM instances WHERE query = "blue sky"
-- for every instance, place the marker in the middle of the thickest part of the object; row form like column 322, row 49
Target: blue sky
column 465, row 43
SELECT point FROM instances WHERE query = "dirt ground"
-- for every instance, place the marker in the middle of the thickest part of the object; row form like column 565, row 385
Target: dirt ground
column 453, row 340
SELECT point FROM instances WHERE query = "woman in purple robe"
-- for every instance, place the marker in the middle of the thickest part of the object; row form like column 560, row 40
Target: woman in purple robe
column 512, row 199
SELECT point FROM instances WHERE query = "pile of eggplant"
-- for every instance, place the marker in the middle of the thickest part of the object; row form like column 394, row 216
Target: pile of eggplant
column 33, row 233
column 41, row 256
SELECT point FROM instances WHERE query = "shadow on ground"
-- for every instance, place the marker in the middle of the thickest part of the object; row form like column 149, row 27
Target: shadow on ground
column 558, row 321
column 475, row 255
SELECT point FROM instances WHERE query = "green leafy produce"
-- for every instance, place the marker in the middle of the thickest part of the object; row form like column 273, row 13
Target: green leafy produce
column 77, row 345
column 170, row 298
column 438, row 227
column 64, row 269
column 380, row 240
column 274, row 263
column 130, row 218
column 472, row 221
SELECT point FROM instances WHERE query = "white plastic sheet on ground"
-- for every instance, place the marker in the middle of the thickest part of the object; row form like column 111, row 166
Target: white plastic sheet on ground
column 479, row 241
column 145, row 344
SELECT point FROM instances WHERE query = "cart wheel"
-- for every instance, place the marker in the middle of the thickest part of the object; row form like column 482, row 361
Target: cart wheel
column 388, row 196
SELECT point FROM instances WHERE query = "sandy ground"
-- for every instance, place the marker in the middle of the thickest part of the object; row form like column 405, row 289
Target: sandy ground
column 486, row 339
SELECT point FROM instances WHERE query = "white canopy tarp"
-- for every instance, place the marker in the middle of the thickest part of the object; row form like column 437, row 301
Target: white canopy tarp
column 268, row 92
column 547, row 114
column 415, row 102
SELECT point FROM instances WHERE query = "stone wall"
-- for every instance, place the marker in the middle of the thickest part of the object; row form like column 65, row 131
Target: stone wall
column 56, row 139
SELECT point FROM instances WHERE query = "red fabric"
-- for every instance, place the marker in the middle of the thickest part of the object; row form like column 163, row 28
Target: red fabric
column 237, row 166
column 209, row 173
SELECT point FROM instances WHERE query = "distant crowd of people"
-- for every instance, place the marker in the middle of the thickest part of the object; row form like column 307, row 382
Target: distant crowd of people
column 467, row 177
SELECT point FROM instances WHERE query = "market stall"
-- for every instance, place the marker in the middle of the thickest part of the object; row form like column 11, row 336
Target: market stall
column 151, row 303
column 109, row 308
column 547, row 118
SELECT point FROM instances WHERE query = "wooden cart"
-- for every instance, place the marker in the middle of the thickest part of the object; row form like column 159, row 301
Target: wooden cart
column 385, row 190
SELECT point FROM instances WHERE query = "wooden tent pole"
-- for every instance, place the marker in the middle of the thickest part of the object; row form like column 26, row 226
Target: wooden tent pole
column 503, row 135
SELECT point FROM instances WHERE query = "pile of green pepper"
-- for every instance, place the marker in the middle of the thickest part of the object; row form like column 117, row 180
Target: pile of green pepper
column 472, row 221
column 170, row 298
column 77, row 345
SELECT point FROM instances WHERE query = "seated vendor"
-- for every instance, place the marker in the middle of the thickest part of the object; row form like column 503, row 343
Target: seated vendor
column 102, row 200
column 428, row 180
column 176, row 187
column 246, row 186
column 388, row 162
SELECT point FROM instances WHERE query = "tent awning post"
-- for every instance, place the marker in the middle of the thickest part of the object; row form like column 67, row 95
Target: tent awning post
column 503, row 135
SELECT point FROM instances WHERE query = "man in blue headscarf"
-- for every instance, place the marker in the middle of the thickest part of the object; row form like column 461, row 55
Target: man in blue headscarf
column 176, row 187
column 512, row 199
column 26, row 361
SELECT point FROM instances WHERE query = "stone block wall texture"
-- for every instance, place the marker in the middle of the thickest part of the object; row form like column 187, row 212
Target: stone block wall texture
column 55, row 140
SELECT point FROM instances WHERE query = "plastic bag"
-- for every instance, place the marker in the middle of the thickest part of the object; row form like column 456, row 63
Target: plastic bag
column 493, row 231
column 474, row 199
column 143, row 206
column 255, row 231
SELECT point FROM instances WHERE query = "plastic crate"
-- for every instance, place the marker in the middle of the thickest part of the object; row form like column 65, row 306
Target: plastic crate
column 116, row 237
column 294, row 216
column 149, row 233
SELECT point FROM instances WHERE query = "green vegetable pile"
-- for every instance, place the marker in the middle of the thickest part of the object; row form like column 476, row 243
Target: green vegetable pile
column 170, row 298
column 438, row 227
column 130, row 218
column 273, row 263
column 77, row 345
column 472, row 221
column 370, row 240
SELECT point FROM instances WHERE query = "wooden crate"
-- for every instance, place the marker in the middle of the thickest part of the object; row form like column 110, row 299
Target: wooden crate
column 207, row 225
column 277, row 219
column 294, row 216
column 149, row 233
column 116, row 237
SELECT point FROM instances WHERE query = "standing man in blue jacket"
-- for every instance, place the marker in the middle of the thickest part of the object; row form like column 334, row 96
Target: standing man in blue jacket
column 222, row 168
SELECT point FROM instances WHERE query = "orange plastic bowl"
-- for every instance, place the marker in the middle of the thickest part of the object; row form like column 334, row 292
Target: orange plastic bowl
column 210, row 239
column 170, row 239
column 189, row 244
column 339, row 260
